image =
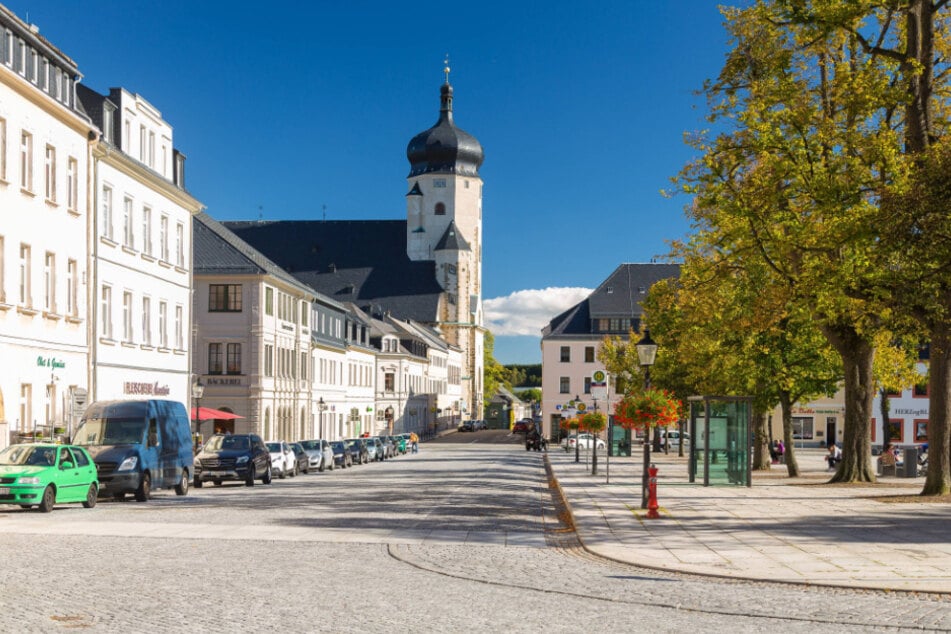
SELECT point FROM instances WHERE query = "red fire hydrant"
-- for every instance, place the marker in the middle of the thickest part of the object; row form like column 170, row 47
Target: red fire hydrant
column 652, row 493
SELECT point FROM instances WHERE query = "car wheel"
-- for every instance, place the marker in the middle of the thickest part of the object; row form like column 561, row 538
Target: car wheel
column 49, row 498
column 333, row 464
column 92, row 496
column 266, row 478
column 144, row 492
column 250, row 481
column 321, row 467
column 293, row 472
column 281, row 474
column 217, row 482
column 182, row 487
column 197, row 482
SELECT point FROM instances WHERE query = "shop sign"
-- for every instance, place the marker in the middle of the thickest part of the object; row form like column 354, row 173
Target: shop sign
column 50, row 362
column 145, row 389
column 212, row 380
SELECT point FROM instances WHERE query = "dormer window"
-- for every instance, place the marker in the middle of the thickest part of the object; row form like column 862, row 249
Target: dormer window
column 439, row 183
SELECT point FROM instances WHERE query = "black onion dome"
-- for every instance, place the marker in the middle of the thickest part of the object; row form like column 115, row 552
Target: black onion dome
column 444, row 147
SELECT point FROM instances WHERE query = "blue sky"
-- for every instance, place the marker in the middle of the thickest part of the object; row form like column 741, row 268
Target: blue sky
column 284, row 109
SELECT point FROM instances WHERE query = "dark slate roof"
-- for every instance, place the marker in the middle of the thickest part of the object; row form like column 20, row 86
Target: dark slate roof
column 358, row 261
column 618, row 296
column 218, row 251
column 452, row 239
column 444, row 148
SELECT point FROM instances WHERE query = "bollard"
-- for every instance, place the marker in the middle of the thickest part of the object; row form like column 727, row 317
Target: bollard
column 652, row 493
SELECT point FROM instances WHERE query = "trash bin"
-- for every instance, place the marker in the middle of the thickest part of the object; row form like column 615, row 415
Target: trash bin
column 910, row 459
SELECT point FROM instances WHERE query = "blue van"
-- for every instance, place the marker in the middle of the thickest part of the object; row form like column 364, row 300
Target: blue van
column 138, row 446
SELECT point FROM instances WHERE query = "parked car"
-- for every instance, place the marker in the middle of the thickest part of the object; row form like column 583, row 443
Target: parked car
column 522, row 426
column 233, row 457
column 466, row 425
column 303, row 460
column 359, row 454
column 341, row 455
column 42, row 475
column 138, row 446
column 584, row 440
column 375, row 449
column 389, row 447
column 674, row 437
column 479, row 424
column 399, row 442
column 283, row 460
column 319, row 453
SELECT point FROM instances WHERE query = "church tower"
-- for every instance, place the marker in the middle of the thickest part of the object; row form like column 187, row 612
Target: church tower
column 444, row 225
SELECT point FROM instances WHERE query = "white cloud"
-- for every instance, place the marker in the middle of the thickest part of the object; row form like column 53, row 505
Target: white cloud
column 527, row 312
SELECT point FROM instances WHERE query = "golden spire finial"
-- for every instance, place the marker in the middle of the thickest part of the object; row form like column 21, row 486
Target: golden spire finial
column 446, row 67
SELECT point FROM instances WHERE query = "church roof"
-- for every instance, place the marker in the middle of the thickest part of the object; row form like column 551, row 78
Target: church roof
column 452, row 240
column 358, row 261
column 444, row 148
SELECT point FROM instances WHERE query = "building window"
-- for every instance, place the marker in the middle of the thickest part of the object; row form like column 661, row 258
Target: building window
column 268, row 360
column 163, row 238
column 127, row 317
column 26, row 406
column 127, row 238
column 72, row 288
column 107, row 123
column 180, row 245
column 268, row 301
column 152, row 150
column 26, row 161
column 389, row 382
column 147, row 321
column 440, row 209
column 3, row 149
column 25, row 294
column 3, row 293
column 142, row 144
column 179, row 328
column 439, row 183
column 107, row 212
column 564, row 386
column 215, row 359
column 147, row 230
column 106, row 311
column 163, row 324
column 50, row 173
column 303, row 366
column 304, row 309
column 589, row 354
column 234, row 358
column 49, row 283
column 587, row 385
column 72, row 184
column 565, row 354
column 921, row 388
column 224, row 298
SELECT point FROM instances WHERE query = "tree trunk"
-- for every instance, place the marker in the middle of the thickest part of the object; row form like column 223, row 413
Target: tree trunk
column 857, row 354
column 785, row 403
column 885, row 409
column 761, row 458
column 938, row 478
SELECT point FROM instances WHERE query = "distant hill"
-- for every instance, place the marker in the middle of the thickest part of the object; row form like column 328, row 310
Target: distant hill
column 525, row 375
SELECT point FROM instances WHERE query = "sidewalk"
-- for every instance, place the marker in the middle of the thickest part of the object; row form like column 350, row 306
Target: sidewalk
column 781, row 529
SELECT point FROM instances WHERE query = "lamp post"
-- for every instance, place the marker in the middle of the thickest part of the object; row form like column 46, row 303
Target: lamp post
column 646, row 353
column 321, row 408
column 198, row 390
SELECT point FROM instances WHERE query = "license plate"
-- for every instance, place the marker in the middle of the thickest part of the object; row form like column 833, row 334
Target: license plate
column 4, row 490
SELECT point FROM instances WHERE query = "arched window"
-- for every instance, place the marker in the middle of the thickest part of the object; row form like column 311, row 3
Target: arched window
column 440, row 209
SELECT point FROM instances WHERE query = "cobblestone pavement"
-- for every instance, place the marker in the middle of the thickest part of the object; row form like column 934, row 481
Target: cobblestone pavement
column 430, row 542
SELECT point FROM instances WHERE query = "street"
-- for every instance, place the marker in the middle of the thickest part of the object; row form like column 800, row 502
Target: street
column 464, row 536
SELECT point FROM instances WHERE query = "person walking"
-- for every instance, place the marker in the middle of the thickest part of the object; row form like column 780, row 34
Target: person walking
column 414, row 442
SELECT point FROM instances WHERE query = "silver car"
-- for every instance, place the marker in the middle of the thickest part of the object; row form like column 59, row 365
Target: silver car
column 320, row 452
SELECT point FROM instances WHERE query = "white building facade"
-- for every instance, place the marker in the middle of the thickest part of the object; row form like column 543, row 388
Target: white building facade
column 140, row 254
column 44, row 210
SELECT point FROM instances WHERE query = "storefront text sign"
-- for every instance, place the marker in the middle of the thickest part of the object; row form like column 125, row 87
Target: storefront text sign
column 148, row 389
column 50, row 362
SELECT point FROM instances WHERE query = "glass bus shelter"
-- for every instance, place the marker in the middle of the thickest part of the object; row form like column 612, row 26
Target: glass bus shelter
column 721, row 442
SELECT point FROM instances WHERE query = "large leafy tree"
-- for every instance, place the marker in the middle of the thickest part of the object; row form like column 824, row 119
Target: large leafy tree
column 816, row 110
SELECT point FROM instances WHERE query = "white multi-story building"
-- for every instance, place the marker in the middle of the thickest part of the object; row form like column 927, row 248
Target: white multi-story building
column 44, row 209
column 331, row 370
column 140, row 253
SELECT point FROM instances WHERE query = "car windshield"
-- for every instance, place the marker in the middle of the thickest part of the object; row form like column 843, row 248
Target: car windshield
column 310, row 445
column 28, row 455
column 274, row 446
column 337, row 446
column 228, row 443
column 110, row 431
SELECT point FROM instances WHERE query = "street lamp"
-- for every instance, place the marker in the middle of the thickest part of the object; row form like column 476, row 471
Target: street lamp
column 321, row 408
column 198, row 390
column 646, row 353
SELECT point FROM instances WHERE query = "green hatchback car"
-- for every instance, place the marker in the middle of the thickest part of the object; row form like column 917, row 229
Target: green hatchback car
column 42, row 475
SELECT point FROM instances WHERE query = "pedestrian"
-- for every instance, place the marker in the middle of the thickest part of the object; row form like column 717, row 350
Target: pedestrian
column 780, row 451
column 414, row 442
column 834, row 456
column 774, row 452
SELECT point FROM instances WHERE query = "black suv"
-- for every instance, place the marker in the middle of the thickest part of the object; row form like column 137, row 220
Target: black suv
column 233, row 457
column 358, row 450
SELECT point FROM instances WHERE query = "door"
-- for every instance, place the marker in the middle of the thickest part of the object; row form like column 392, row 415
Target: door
column 70, row 483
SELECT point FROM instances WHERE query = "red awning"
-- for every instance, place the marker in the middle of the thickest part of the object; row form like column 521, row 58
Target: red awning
column 206, row 413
